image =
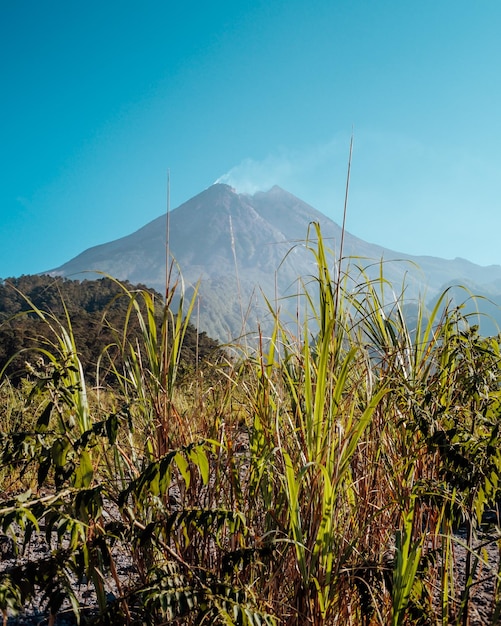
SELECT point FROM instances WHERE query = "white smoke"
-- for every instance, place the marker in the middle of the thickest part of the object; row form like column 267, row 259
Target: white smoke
column 250, row 176
column 300, row 172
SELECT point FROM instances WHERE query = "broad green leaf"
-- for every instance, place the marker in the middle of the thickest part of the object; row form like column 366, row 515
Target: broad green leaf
column 199, row 457
column 59, row 452
column 183, row 467
column 84, row 472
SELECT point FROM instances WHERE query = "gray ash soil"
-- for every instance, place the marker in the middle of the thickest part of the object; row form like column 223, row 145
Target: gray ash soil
column 35, row 612
column 482, row 593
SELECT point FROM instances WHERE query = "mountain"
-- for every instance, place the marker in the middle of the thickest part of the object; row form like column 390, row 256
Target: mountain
column 242, row 246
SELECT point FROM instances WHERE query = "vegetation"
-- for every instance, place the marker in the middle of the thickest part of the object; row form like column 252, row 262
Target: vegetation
column 97, row 311
column 328, row 477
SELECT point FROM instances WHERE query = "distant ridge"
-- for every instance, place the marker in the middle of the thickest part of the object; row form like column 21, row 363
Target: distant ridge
column 264, row 233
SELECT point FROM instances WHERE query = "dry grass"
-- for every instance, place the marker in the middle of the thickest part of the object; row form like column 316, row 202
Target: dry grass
column 318, row 479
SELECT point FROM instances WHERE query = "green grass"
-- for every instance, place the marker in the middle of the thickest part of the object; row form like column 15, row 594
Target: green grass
column 316, row 479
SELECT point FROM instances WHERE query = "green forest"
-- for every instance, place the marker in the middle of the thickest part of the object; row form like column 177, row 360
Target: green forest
column 344, row 470
column 96, row 310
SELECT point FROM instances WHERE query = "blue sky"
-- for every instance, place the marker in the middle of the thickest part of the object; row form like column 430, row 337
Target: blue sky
column 100, row 99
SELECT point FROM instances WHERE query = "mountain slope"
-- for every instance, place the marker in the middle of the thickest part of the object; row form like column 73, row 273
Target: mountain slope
column 239, row 245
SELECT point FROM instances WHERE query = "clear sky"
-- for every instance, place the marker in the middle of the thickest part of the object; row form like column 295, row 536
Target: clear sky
column 100, row 98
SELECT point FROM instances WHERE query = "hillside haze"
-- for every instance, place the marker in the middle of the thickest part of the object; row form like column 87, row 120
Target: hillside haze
column 242, row 246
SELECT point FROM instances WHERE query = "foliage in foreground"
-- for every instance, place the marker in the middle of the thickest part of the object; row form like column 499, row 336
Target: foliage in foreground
column 319, row 480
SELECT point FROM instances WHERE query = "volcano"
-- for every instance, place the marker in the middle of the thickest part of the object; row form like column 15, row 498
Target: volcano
column 245, row 250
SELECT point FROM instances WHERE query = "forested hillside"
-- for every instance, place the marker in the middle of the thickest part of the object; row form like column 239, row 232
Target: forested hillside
column 96, row 309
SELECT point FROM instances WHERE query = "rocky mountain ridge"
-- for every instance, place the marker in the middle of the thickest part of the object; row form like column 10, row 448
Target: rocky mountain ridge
column 241, row 247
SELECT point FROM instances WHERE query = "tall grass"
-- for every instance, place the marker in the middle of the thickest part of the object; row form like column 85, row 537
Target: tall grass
column 320, row 478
